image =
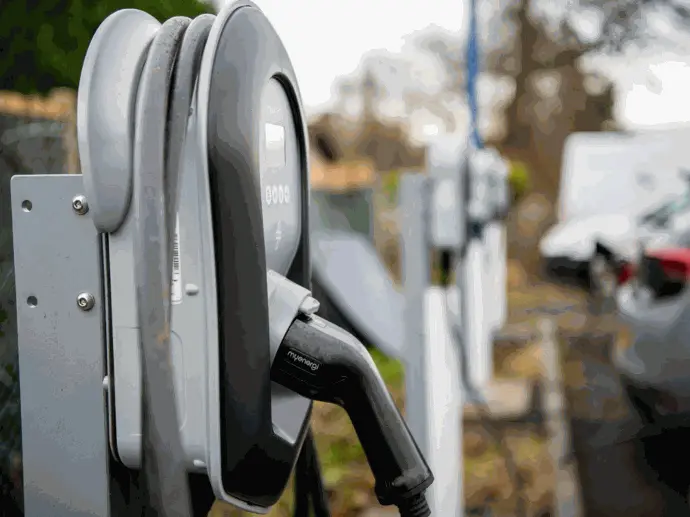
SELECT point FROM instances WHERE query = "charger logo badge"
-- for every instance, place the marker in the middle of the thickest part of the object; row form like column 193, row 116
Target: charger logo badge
column 302, row 361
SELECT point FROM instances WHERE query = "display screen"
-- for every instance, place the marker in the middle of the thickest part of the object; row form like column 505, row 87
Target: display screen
column 281, row 178
column 275, row 145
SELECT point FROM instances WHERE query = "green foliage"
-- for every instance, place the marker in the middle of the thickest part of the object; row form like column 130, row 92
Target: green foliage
column 44, row 42
column 391, row 370
column 519, row 179
column 339, row 456
column 389, row 183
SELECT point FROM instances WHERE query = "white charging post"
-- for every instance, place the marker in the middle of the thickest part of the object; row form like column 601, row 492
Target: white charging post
column 494, row 169
column 471, row 280
column 431, row 221
column 456, row 207
column 484, row 270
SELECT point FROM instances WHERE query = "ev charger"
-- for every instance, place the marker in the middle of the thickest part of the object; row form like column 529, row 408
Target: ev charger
column 459, row 200
column 445, row 161
column 491, row 172
column 188, row 237
column 457, row 210
column 433, row 399
column 484, row 274
column 245, row 140
column 469, row 201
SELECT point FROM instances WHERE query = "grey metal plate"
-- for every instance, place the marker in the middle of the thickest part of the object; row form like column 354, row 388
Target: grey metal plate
column 349, row 269
column 433, row 399
column 61, row 349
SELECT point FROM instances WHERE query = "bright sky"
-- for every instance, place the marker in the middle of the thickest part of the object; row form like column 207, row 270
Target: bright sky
column 659, row 96
column 326, row 39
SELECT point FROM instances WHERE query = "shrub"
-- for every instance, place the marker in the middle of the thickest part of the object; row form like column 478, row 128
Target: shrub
column 519, row 179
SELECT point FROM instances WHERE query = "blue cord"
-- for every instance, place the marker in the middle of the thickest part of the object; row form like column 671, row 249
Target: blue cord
column 472, row 76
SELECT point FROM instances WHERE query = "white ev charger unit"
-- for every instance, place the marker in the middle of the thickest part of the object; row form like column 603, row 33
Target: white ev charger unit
column 482, row 279
column 492, row 170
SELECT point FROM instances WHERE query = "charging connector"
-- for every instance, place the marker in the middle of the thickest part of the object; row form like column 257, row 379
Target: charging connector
column 323, row 362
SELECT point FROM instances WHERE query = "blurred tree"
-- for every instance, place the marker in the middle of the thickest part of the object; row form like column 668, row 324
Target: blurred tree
column 540, row 46
column 44, row 42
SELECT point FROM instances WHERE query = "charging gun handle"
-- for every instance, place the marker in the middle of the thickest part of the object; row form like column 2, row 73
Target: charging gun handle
column 323, row 362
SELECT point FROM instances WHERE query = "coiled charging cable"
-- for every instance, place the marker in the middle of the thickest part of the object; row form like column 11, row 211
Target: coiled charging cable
column 163, row 106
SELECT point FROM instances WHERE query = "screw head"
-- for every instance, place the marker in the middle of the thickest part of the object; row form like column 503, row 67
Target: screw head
column 80, row 205
column 86, row 301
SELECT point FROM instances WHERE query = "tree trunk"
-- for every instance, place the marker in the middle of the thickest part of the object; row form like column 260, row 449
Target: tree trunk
column 538, row 126
column 517, row 112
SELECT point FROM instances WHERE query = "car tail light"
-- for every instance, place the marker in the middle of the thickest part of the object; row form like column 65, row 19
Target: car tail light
column 666, row 272
column 625, row 273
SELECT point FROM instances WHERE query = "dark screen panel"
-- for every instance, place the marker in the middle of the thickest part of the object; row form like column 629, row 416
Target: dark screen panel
column 345, row 211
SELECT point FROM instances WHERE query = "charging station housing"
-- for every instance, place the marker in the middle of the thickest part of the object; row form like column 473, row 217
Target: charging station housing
column 244, row 206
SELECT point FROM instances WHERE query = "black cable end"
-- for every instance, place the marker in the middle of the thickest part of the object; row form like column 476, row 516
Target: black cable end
column 415, row 506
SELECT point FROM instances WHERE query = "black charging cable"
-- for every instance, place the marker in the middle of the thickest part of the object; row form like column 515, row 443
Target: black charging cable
column 302, row 496
column 447, row 261
column 164, row 99
column 309, row 488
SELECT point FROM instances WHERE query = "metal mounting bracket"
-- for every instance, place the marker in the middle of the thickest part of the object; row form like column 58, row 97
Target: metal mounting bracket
column 60, row 315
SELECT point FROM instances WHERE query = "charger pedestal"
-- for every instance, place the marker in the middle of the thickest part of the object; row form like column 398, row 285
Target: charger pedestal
column 434, row 402
column 456, row 208
column 57, row 256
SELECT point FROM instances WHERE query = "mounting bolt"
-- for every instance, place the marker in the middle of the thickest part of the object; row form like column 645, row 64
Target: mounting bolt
column 80, row 205
column 86, row 301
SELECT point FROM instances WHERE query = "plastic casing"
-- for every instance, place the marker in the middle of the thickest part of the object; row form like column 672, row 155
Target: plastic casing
column 445, row 163
column 244, row 209
column 260, row 426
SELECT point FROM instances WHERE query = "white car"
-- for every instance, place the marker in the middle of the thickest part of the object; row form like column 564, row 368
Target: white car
column 569, row 249
column 593, row 249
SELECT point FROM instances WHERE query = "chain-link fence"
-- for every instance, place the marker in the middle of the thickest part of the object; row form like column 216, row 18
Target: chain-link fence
column 36, row 137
